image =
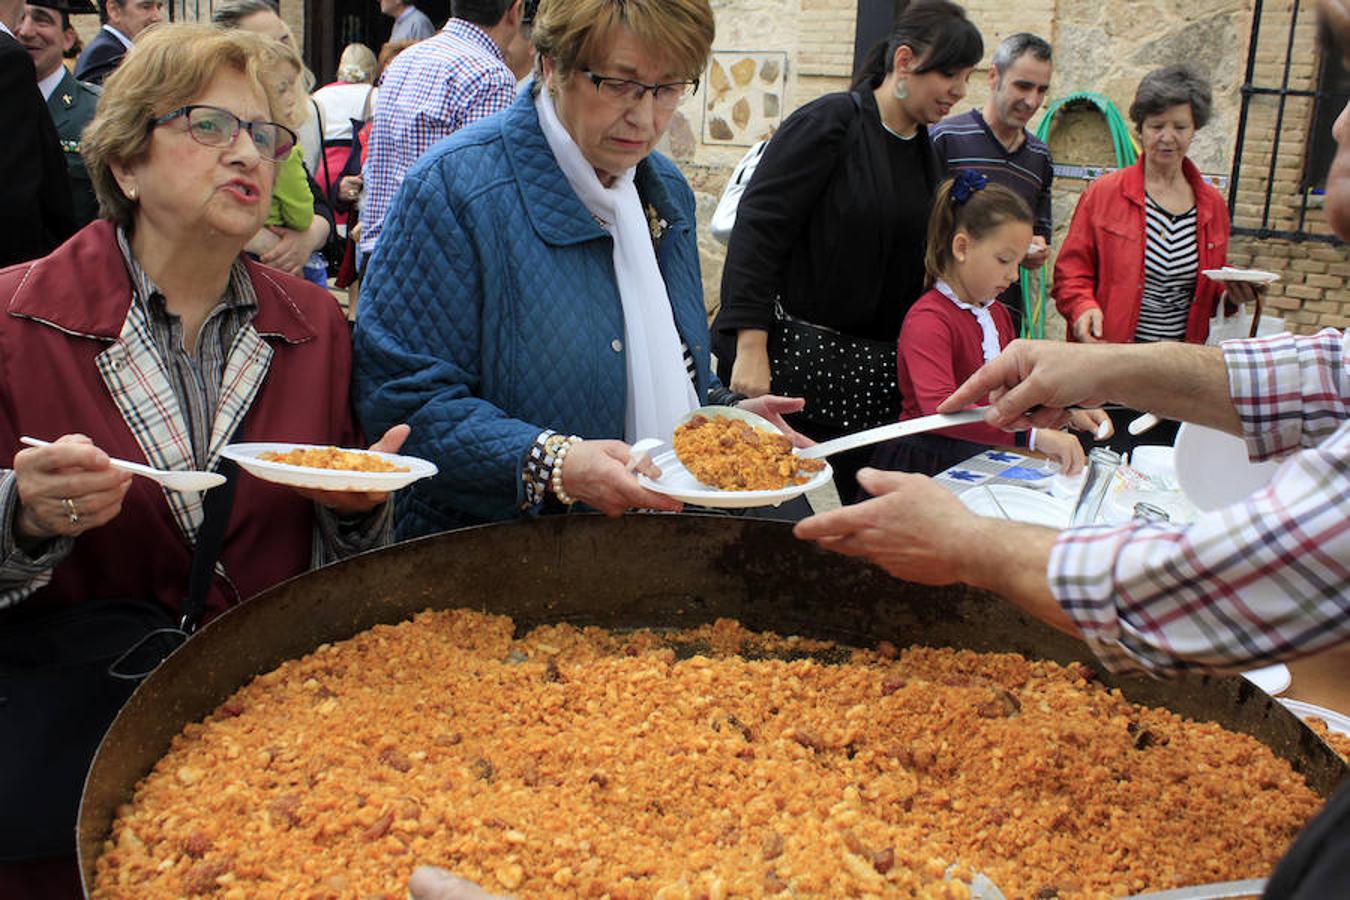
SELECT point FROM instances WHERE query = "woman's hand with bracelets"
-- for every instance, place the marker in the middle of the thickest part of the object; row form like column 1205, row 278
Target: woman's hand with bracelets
column 596, row 473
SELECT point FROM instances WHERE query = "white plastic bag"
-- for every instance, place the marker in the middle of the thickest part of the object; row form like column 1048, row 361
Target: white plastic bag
column 724, row 217
column 1238, row 326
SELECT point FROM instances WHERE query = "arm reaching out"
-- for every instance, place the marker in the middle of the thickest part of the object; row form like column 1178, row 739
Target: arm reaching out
column 919, row 531
column 1033, row 383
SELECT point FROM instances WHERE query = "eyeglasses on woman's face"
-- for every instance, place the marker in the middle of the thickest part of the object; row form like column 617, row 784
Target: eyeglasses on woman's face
column 625, row 92
column 212, row 126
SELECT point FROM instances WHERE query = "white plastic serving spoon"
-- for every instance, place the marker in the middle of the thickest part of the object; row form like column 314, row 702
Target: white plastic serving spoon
column 892, row 431
column 848, row 441
column 191, row 481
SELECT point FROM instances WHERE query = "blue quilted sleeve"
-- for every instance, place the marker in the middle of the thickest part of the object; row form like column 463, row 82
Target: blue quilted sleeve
column 417, row 355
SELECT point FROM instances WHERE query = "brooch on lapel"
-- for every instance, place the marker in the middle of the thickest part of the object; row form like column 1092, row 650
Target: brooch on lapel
column 655, row 224
column 71, row 146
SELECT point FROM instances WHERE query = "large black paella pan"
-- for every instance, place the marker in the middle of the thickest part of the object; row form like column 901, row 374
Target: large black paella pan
column 638, row 571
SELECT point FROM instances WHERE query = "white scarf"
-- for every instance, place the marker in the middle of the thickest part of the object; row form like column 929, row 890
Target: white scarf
column 660, row 391
column 989, row 344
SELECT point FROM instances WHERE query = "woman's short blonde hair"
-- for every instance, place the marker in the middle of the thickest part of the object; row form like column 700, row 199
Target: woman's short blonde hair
column 169, row 66
column 283, row 63
column 573, row 33
column 357, row 65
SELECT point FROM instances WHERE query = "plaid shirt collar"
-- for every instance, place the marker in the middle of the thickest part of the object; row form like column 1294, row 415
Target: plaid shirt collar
column 470, row 33
column 134, row 371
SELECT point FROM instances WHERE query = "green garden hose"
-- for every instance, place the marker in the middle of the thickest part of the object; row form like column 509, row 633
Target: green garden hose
column 1127, row 151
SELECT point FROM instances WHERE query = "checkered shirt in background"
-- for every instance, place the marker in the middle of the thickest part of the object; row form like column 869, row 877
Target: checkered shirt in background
column 430, row 91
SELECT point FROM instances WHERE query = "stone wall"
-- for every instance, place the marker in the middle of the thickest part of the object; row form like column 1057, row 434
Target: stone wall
column 1101, row 47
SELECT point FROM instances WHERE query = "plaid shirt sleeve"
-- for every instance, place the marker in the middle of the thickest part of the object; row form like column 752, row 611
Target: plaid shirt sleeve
column 1260, row 581
column 21, row 574
column 420, row 106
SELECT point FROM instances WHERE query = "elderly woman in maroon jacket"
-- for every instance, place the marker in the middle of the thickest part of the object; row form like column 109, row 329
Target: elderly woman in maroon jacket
column 148, row 336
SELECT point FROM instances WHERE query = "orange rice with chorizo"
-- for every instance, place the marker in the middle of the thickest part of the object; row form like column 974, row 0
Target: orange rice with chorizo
column 732, row 455
column 584, row 763
column 332, row 458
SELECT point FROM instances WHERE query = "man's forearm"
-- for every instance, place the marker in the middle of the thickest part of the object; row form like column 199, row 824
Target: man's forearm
column 1172, row 380
column 1010, row 559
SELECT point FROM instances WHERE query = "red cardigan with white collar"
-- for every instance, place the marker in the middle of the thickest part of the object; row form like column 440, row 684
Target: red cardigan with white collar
column 64, row 310
column 940, row 347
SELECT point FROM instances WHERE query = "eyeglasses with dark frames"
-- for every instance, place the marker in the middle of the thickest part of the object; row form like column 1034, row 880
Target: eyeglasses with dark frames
column 212, row 126
column 626, row 92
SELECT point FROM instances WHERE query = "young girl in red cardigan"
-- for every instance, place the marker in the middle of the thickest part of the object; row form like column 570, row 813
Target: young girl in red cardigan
column 977, row 236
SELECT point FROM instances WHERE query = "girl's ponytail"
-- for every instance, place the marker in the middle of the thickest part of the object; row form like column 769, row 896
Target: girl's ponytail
column 941, row 230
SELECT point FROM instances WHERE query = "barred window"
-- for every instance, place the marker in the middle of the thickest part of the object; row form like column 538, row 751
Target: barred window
column 1291, row 95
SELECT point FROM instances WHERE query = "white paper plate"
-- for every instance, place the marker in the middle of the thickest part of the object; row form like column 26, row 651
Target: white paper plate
column 1335, row 721
column 1019, row 504
column 1256, row 276
column 326, row 479
column 675, row 481
column 1271, row 679
column 1213, row 470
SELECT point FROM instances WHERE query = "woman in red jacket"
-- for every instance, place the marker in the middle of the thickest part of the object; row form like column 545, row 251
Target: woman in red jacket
column 1129, row 269
column 149, row 336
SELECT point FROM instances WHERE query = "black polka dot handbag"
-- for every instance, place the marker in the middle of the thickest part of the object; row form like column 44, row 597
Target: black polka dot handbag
column 848, row 382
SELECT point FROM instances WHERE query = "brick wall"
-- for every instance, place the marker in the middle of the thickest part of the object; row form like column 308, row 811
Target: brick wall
column 1312, row 291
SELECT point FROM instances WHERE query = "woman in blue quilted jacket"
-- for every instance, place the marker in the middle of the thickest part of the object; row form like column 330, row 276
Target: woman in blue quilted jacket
column 534, row 303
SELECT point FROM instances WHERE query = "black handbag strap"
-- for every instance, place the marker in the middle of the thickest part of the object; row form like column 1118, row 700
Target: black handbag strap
column 210, row 541
column 142, row 657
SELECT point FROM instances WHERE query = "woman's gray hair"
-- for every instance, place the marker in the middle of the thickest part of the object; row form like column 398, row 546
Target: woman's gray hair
column 1171, row 86
column 229, row 14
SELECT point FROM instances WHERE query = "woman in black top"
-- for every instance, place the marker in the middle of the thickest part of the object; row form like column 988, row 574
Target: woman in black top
column 832, row 224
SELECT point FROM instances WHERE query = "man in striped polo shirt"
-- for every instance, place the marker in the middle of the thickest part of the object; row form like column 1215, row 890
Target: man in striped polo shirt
column 995, row 141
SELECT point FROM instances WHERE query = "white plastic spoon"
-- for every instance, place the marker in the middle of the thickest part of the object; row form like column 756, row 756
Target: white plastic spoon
column 848, row 441
column 1143, row 423
column 892, row 431
column 191, row 481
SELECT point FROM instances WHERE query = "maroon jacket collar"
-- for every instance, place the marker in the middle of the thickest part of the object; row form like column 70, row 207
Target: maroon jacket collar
column 1133, row 187
column 57, row 289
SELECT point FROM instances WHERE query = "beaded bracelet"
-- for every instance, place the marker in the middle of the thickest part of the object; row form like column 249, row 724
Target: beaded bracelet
column 556, row 476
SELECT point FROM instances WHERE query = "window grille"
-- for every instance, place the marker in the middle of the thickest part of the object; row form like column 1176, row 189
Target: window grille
column 1289, row 100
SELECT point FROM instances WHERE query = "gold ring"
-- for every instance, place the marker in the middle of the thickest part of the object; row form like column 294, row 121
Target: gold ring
column 72, row 513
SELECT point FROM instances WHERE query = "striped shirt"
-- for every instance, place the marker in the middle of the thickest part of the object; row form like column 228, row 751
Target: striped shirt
column 1260, row 581
column 1171, row 265
column 430, row 91
column 967, row 142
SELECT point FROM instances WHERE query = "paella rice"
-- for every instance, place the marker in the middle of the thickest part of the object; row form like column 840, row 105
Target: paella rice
column 332, row 458
column 1337, row 741
column 711, row 763
column 732, row 455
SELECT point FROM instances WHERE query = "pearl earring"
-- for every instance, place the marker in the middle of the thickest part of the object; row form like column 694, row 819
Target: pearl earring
column 131, row 194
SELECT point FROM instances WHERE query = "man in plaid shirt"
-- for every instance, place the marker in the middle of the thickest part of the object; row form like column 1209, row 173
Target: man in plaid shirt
column 1262, row 580
column 1259, row 581
column 432, row 90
